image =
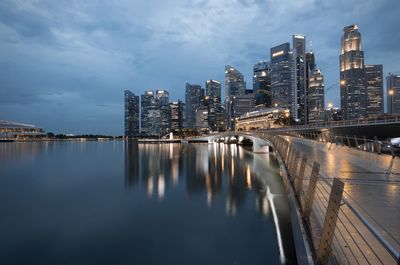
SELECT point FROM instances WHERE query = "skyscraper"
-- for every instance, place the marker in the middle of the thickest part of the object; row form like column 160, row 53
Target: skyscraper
column 193, row 97
column 215, row 111
column 353, row 92
column 393, row 93
column 262, row 83
column 281, row 76
column 299, row 101
column 235, row 86
column 131, row 114
column 374, row 81
column 316, row 99
column 234, row 82
column 177, row 116
column 150, row 116
column 162, row 103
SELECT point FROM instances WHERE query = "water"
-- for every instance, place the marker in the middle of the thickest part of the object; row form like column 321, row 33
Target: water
column 124, row 203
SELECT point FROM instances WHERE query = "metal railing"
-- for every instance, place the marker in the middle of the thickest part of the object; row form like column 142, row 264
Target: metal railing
column 342, row 232
column 377, row 120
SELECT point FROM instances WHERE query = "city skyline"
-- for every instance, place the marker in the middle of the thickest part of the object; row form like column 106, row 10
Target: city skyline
column 79, row 69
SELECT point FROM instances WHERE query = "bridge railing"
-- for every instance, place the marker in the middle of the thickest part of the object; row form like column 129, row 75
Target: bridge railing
column 341, row 231
column 381, row 120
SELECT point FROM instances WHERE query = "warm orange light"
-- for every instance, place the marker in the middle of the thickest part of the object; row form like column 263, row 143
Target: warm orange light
column 342, row 82
column 391, row 92
column 330, row 105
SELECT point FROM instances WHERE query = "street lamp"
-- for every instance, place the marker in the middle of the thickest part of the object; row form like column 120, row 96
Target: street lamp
column 391, row 94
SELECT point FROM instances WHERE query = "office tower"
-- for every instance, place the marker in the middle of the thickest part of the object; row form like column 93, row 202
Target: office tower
column 131, row 114
column 374, row 81
column 202, row 118
column 262, row 83
column 316, row 100
column 162, row 102
column 234, row 82
column 193, row 97
column 281, row 76
column 177, row 116
column 299, row 101
column 243, row 104
column 213, row 101
column 353, row 92
column 393, row 93
column 151, row 115
column 235, row 85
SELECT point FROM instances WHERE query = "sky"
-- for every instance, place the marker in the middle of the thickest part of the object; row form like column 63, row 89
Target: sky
column 65, row 64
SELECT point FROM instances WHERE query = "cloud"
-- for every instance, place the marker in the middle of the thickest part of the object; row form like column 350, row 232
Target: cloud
column 83, row 54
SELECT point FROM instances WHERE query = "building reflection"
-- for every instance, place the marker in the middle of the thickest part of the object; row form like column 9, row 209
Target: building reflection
column 209, row 170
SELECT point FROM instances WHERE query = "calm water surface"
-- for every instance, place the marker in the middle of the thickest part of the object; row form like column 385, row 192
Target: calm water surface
column 128, row 203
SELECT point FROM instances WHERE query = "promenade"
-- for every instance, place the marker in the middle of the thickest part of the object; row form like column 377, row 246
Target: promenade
column 370, row 190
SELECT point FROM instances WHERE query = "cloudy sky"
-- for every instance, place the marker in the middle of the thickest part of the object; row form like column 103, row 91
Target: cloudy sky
column 65, row 64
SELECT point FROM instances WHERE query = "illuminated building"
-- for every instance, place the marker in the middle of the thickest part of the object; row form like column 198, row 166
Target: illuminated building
column 177, row 115
column 9, row 129
column 281, row 76
column 235, row 86
column 243, row 104
column 193, row 100
column 162, row 103
column 215, row 111
column 261, row 119
column 202, row 118
column 393, row 93
column 131, row 117
column 150, row 116
column 374, row 81
column 299, row 91
column 333, row 114
column 316, row 99
column 262, row 83
column 352, row 75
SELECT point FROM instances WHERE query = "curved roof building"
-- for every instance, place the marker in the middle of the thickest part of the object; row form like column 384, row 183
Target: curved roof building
column 9, row 129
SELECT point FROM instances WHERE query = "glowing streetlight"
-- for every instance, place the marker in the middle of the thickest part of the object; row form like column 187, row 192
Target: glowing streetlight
column 330, row 105
column 342, row 82
column 391, row 92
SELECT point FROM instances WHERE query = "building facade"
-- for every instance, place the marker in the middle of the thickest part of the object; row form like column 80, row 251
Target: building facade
column 215, row 110
column 177, row 116
column 193, row 100
column 131, row 117
column 374, row 82
column 162, row 104
column 243, row 104
column 353, row 92
column 316, row 98
column 235, row 86
column 393, row 93
column 262, row 83
column 299, row 90
column 150, row 115
column 281, row 76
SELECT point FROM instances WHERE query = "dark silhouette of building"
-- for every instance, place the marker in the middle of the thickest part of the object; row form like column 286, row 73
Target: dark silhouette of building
column 299, row 101
column 193, row 100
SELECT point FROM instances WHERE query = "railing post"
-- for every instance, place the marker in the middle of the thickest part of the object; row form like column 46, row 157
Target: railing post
column 311, row 190
column 376, row 145
column 348, row 140
column 365, row 144
column 331, row 216
column 293, row 166
column 356, row 141
column 298, row 182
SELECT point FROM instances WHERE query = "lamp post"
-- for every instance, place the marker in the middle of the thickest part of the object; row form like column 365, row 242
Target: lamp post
column 391, row 95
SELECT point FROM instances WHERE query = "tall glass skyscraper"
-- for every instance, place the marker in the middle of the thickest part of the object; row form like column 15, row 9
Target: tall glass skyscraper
column 353, row 92
column 262, row 83
column 316, row 99
column 299, row 101
column 193, row 98
column 150, row 115
column 374, row 81
column 215, row 110
column 177, row 116
column 131, row 114
column 281, row 76
column 162, row 103
column 234, row 82
column 393, row 93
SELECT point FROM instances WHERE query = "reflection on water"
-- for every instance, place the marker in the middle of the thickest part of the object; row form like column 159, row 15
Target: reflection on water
column 129, row 203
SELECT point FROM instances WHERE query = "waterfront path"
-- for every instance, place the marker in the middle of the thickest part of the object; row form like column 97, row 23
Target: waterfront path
column 369, row 187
